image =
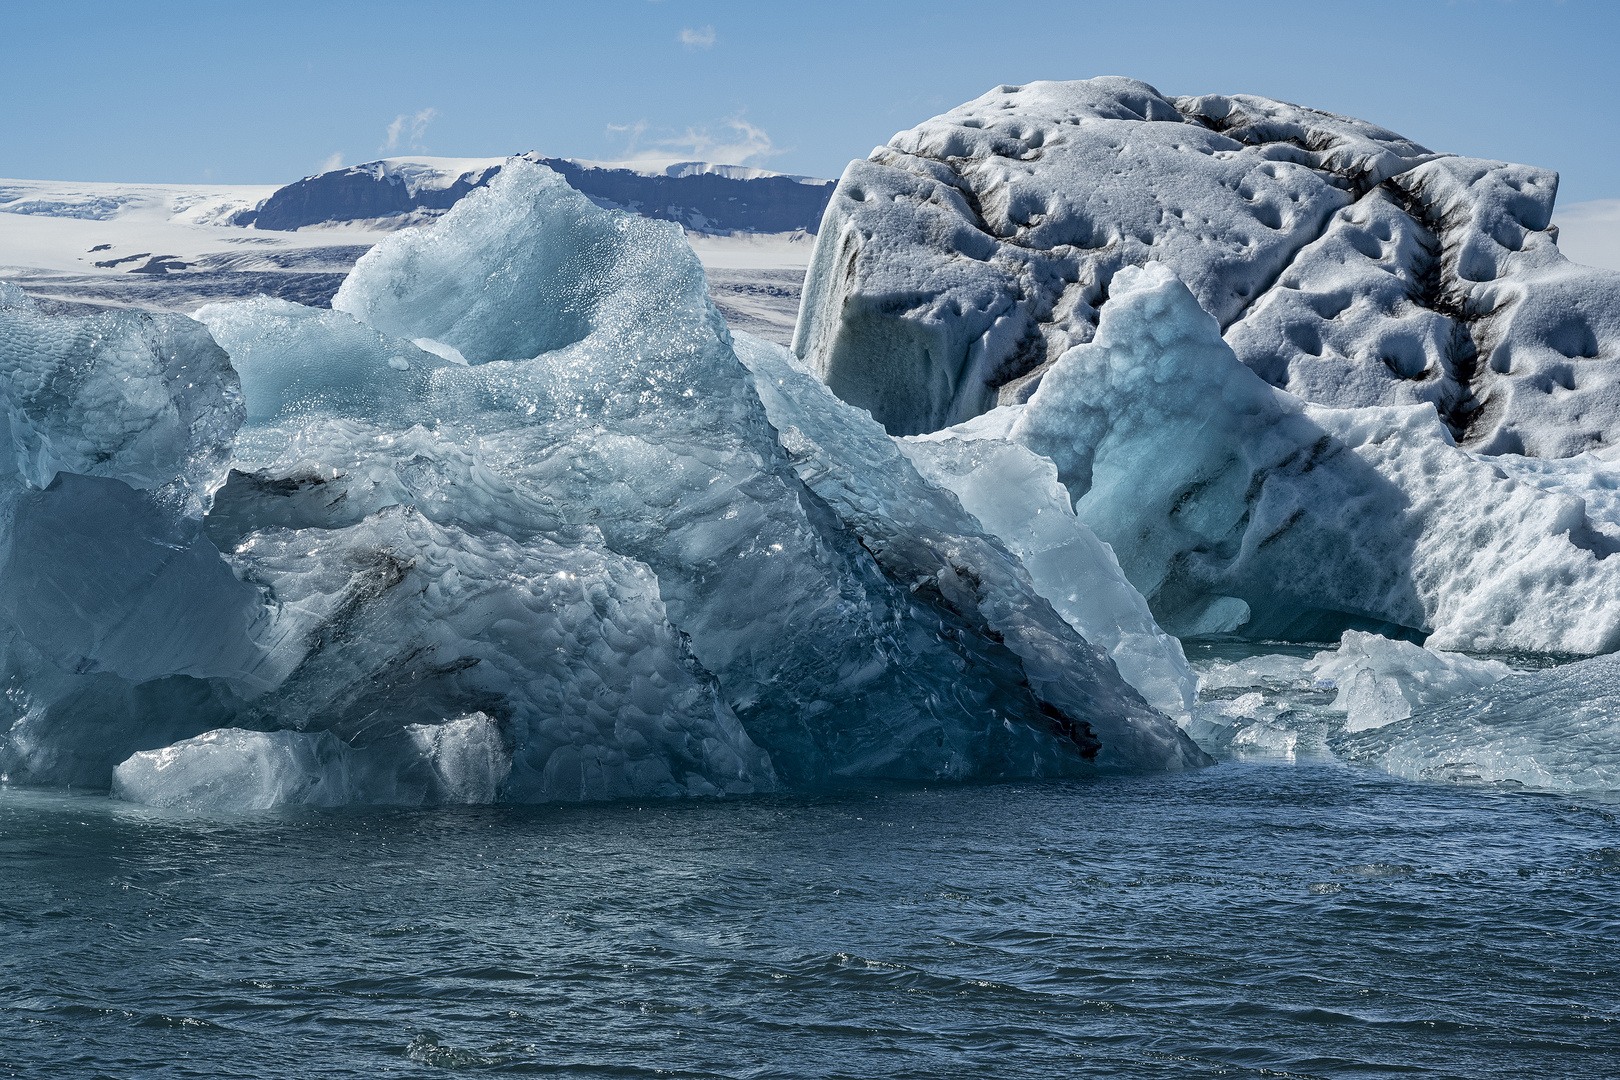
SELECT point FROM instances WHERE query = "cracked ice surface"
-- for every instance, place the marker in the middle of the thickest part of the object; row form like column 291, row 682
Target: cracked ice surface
column 1342, row 262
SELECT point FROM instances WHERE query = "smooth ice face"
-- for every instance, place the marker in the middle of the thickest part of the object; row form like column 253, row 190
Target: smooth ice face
column 1016, row 496
column 1213, row 487
column 1342, row 262
column 522, row 267
column 1557, row 730
column 1381, row 681
column 294, row 359
column 920, row 533
column 148, row 400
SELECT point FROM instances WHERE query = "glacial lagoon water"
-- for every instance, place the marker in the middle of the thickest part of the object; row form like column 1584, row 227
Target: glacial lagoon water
column 1270, row 916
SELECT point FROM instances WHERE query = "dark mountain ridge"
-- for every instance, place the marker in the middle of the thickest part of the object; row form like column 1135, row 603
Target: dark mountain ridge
column 703, row 198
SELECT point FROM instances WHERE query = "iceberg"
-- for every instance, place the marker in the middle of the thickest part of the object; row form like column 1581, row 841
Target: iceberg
column 649, row 560
column 1341, row 262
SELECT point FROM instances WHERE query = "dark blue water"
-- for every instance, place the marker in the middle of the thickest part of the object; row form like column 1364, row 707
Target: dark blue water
column 1247, row 920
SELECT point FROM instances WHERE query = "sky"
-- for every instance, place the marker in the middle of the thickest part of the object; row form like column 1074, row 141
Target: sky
column 263, row 93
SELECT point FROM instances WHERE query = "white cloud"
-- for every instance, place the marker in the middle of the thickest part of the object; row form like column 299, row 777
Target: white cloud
column 335, row 161
column 696, row 39
column 408, row 130
column 738, row 143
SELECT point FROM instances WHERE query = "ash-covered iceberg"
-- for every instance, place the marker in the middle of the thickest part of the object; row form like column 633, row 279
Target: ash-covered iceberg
column 1342, row 262
column 592, row 535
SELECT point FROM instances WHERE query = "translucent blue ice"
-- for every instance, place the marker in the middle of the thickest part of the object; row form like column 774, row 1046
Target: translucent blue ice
column 594, row 535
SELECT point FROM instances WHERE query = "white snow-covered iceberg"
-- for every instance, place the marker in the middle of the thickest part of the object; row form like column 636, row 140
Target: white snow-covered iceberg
column 1341, row 261
column 1557, row 730
column 601, row 534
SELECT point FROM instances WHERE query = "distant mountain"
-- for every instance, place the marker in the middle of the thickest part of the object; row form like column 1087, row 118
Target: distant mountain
column 79, row 247
column 702, row 197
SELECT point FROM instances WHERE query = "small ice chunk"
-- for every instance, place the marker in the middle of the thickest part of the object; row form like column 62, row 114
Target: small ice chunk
column 461, row 761
column 1381, row 680
column 440, row 349
column 233, row 769
column 1557, row 729
column 1271, row 669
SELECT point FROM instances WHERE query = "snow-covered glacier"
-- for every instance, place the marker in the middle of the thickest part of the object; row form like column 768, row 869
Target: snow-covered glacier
column 513, row 520
column 1556, row 730
column 1342, row 262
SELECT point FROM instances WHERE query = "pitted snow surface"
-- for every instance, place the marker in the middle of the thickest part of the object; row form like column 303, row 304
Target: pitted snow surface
column 1343, row 263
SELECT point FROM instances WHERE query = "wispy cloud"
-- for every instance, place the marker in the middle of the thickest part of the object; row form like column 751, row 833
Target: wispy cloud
column 407, row 131
column 334, row 162
column 701, row 38
column 736, row 143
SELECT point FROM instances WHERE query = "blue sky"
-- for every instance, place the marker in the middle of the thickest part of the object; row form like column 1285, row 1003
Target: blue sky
column 264, row 93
